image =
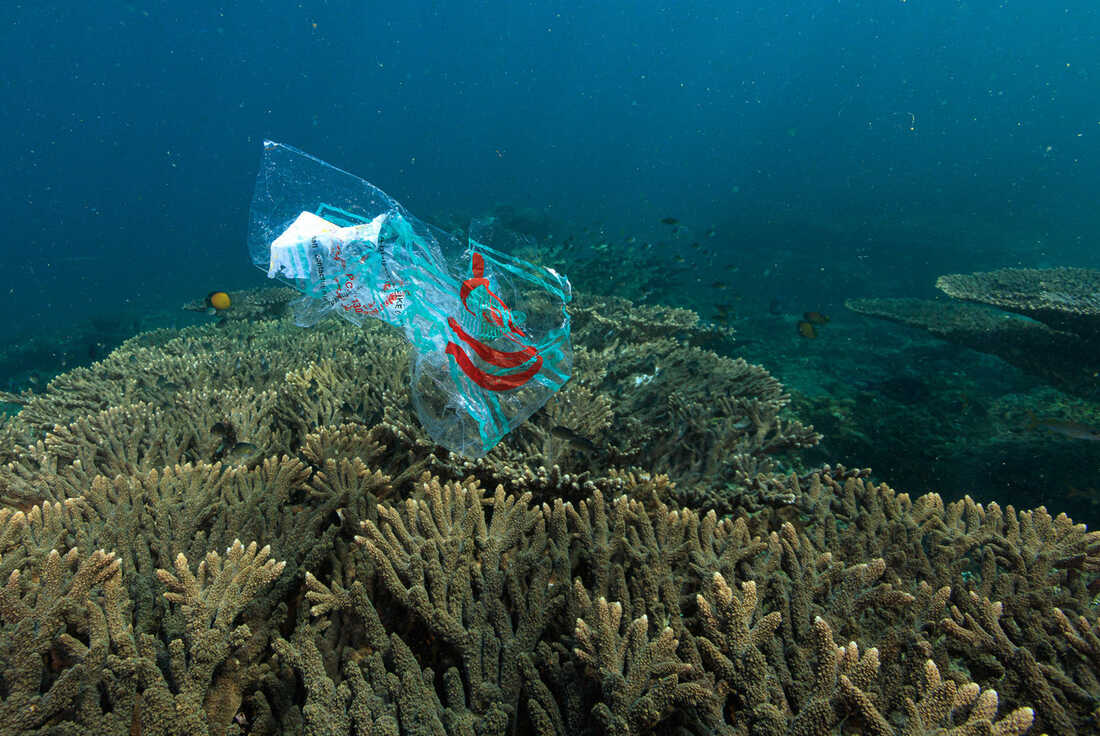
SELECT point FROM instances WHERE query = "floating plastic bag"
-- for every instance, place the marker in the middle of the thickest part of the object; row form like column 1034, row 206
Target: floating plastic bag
column 490, row 331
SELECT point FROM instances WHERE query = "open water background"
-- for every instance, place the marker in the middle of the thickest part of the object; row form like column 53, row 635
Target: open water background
column 937, row 134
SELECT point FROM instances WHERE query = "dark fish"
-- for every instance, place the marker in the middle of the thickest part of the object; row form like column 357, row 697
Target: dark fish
column 580, row 442
column 670, row 221
column 807, row 330
column 718, row 285
column 816, row 318
column 712, row 232
column 696, row 245
column 775, row 306
column 241, row 454
column 679, row 258
column 165, row 385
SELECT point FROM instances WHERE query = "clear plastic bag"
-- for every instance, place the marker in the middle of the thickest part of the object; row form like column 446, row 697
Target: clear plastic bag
column 491, row 332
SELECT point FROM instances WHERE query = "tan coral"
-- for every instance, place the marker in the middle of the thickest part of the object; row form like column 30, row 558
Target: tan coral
column 642, row 679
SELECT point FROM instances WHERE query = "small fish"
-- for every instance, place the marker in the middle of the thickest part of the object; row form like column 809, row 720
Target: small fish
column 720, row 285
column 815, row 318
column 582, row 443
column 807, row 330
column 679, row 258
column 732, row 268
column 670, row 221
column 1072, row 430
column 712, row 232
column 241, row 454
column 218, row 301
column 696, row 245
column 165, row 385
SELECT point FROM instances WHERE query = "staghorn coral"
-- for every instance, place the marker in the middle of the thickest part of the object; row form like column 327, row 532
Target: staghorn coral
column 504, row 612
column 731, row 647
column 473, row 603
column 964, row 552
column 967, row 709
column 548, row 588
column 73, row 661
column 207, row 684
column 47, row 669
column 642, row 681
column 595, row 320
column 637, row 396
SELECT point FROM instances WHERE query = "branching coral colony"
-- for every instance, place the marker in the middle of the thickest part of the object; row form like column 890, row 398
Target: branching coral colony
column 660, row 565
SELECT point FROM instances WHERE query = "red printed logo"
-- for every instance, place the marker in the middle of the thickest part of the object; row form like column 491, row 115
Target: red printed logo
column 495, row 312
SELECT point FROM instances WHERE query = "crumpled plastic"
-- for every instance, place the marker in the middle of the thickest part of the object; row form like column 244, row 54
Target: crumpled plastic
column 490, row 331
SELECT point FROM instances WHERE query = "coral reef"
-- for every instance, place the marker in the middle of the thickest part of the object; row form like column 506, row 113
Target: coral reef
column 353, row 578
column 1065, row 299
column 1058, row 342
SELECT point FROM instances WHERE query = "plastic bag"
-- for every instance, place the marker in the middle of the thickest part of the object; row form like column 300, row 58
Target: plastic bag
column 490, row 331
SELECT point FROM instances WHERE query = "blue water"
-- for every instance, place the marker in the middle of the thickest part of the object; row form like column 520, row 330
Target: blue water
column 951, row 135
